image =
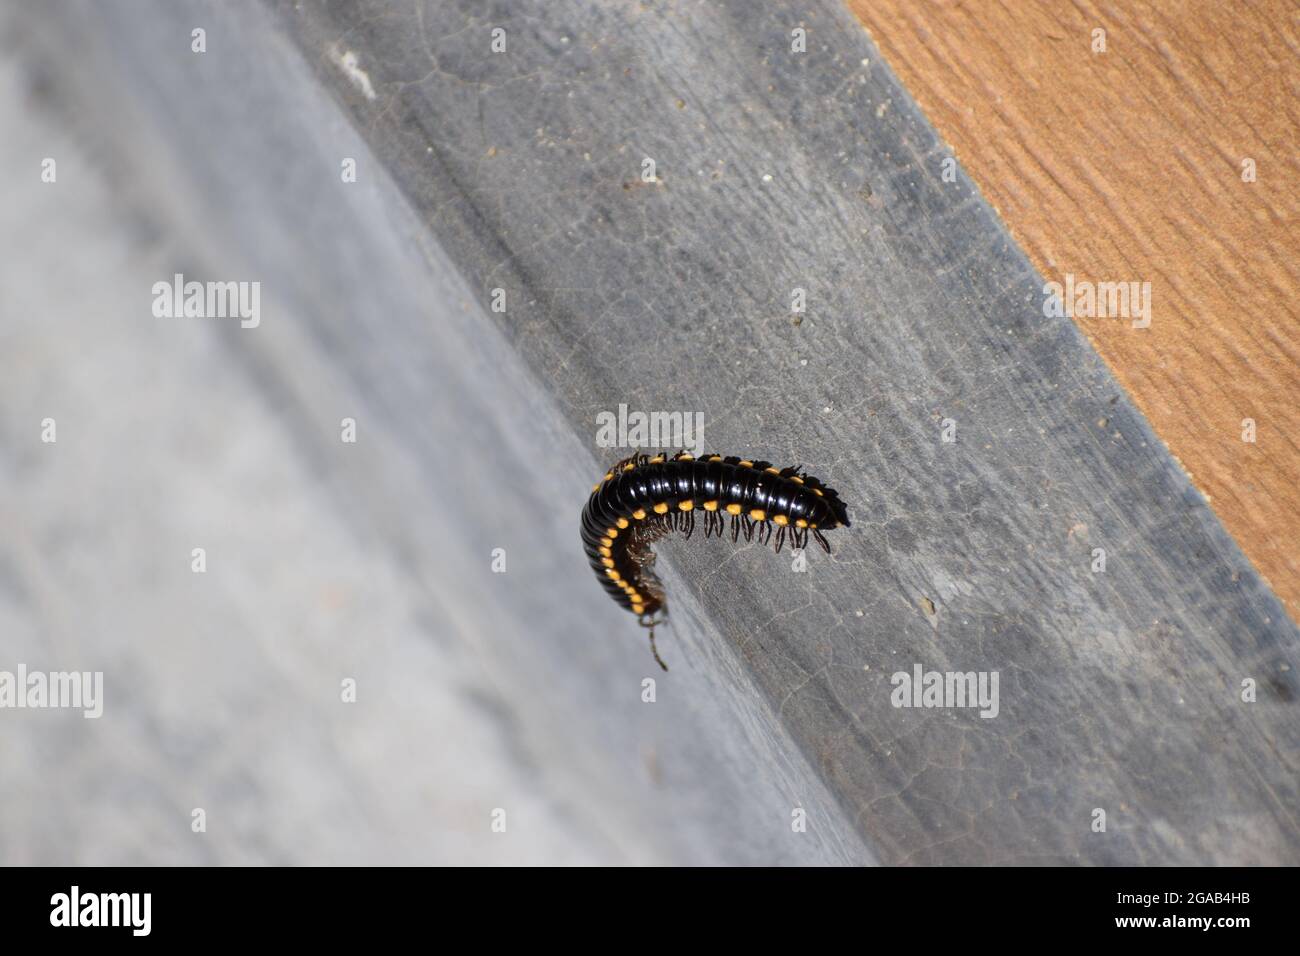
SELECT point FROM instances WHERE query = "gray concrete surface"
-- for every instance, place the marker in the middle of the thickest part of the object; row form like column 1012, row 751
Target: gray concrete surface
column 325, row 561
column 522, row 690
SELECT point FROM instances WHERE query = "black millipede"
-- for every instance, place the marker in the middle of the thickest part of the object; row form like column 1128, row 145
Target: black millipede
column 641, row 499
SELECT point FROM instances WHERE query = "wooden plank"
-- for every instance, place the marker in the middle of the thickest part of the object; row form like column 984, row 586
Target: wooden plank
column 1127, row 165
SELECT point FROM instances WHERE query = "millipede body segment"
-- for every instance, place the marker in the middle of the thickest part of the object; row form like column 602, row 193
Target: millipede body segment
column 643, row 498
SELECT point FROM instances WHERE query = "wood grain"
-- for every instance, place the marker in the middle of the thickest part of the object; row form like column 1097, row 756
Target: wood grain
column 1127, row 165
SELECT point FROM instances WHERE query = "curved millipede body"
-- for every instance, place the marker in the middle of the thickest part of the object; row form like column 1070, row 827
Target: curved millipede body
column 643, row 498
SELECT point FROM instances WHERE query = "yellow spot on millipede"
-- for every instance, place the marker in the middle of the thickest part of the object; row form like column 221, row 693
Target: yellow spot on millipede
column 710, row 506
column 661, row 508
column 746, row 464
column 733, row 509
column 715, row 458
column 686, row 505
column 686, row 458
column 607, row 562
column 621, row 522
column 657, row 460
column 595, row 488
column 801, row 523
column 639, row 514
column 638, row 608
column 773, row 471
column 629, row 466
column 611, row 532
column 606, row 552
column 609, row 476
column 613, row 574
column 818, row 493
column 758, row 514
column 796, row 479
column 782, row 520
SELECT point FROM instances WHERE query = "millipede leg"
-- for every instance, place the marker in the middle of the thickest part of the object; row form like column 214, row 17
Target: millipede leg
column 735, row 527
column 780, row 539
column 826, row 545
column 655, row 651
column 647, row 621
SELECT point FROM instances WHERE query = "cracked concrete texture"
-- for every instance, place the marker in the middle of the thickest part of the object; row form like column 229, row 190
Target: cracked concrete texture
column 778, row 171
column 475, row 690
column 775, row 171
